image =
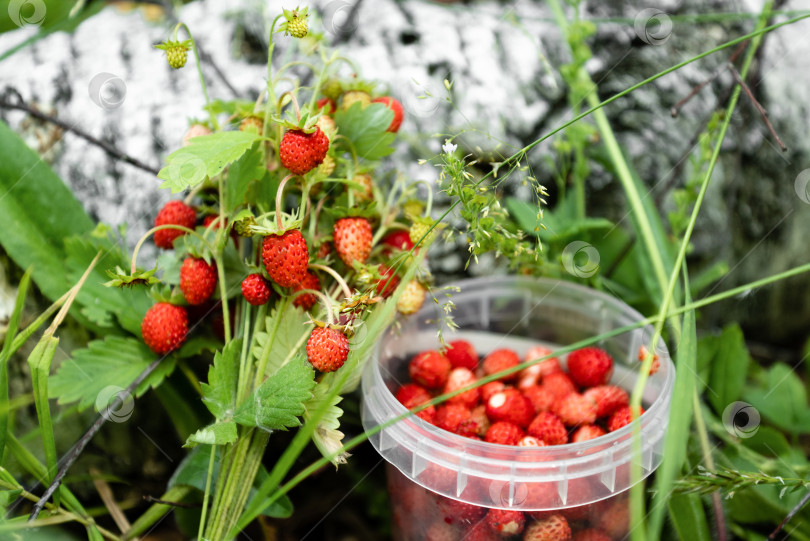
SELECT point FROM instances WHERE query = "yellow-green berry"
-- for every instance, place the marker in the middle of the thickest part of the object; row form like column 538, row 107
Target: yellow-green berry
column 176, row 52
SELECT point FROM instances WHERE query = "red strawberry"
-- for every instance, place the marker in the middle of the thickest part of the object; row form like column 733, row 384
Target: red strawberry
column 540, row 397
column 326, row 102
column 412, row 395
column 656, row 363
column 453, row 511
column 286, row 257
column 256, row 290
column 399, row 239
column 173, row 213
column 501, row 359
column 549, row 428
column 441, row 531
column 608, row 398
column 504, row 433
column 324, row 250
column 480, row 531
column 462, row 354
column 613, row 517
column 430, row 369
column 590, row 366
column 301, row 152
column 327, row 349
column 307, row 300
column 505, row 522
column 450, row 416
column 478, row 415
column 575, row 409
column 551, row 528
column 198, row 280
column 352, row 238
column 395, row 106
column 489, row 389
column 531, row 441
column 510, row 405
column 587, row 432
column 388, row 283
column 559, row 384
column 591, row 534
column 164, row 327
column 458, row 378
column 620, row 418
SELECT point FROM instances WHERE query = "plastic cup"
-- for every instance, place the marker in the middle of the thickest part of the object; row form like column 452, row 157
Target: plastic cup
column 442, row 484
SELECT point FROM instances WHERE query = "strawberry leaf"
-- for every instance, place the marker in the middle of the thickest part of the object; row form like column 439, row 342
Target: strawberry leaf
column 285, row 333
column 327, row 438
column 247, row 169
column 113, row 362
column 204, row 157
column 365, row 128
column 219, row 394
column 279, row 401
column 215, row 434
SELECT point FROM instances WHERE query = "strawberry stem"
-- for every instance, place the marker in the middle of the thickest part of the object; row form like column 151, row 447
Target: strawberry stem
column 294, row 102
column 338, row 278
column 134, row 268
column 279, row 194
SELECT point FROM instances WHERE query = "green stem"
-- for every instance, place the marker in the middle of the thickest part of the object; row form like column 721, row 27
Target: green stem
column 157, row 511
column 207, row 490
column 134, row 268
column 281, row 307
column 23, row 336
column 211, row 114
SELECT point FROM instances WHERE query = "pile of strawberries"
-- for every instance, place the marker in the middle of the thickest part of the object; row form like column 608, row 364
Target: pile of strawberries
column 538, row 406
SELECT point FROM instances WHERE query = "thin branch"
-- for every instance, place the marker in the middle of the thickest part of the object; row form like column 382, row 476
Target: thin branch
column 20, row 105
column 695, row 90
column 789, row 516
column 758, row 105
column 107, row 496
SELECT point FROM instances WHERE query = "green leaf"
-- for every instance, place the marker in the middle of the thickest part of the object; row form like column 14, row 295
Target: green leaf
column 198, row 344
column 728, row 368
column 559, row 227
column 112, row 362
column 215, row 434
column 782, row 400
column 5, row 353
column 279, row 401
column 32, row 232
column 219, row 394
column 689, row 518
column 365, row 128
column 39, row 362
column 284, row 332
column 326, row 437
column 204, row 157
column 244, row 171
column 680, row 418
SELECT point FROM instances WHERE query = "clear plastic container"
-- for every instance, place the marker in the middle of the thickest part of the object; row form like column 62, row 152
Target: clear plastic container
column 432, row 473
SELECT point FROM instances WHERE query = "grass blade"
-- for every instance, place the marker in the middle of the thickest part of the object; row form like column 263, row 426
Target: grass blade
column 13, row 325
column 689, row 517
column 40, row 363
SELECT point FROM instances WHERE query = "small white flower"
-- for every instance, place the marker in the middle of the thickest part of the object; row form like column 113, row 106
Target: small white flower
column 448, row 147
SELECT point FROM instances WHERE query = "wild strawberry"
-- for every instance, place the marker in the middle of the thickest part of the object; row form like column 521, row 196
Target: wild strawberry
column 412, row 298
column 549, row 428
column 587, row 432
column 501, row 359
column 421, row 232
column 540, row 397
column 396, row 107
column 328, row 127
column 256, row 290
column 590, row 366
column 575, row 409
column 480, row 531
column 591, row 534
column 430, row 369
column 389, row 281
column 456, row 512
column 252, row 123
column 450, row 416
column 469, row 428
column 531, row 441
column 504, row 433
column 505, row 522
column 510, row 405
column 366, row 192
column 195, row 130
column 559, row 384
column 612, row 516
column 352, row 238
column 326, row 168
column 324, row 250
column 608, row 398
column 441, row 531
column 478, row 417
column 461, row 354
column 489, row 389
column 355, row 96
column 399, row 239
column 307, row 300
column 533, row 374
column 164, row 327
column 286, row 257
column 198, row 280
column 327, row 349
column 552, row 528
column 327, row 104
column 173, row 213
column 301, row 152
column 176, row 52
column 458, row 378
column 656, row 363
column 412, row 395
column 620, row 418
column 296, row 24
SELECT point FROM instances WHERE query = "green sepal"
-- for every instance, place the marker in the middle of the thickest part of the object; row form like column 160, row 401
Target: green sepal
column 121, row 278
